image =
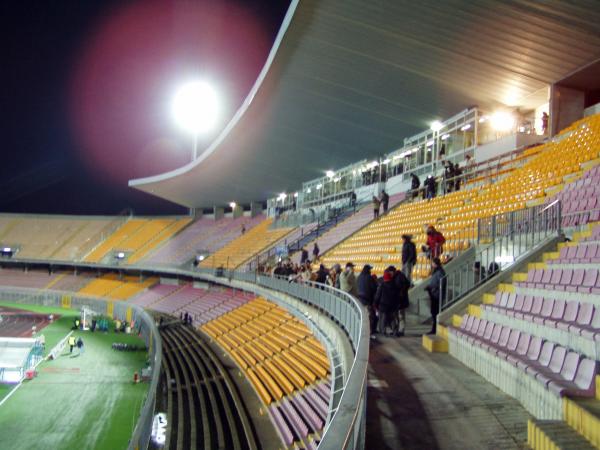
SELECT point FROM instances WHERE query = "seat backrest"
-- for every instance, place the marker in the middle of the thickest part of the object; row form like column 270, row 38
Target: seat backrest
column 469, row 323
column 590, row 277
column 570, row 366
column 572, row 251
column 511, row 300
column 536, row 307
column 489, row 328
column 558, row 359
column 581, row 249
column 535, row 346
column 498, row 299
column 566, row 277
column 585, row 313
column 481, row 328
column 463, row 322
column 591, row 250
column 527, row 303
column 503, row 299
column 504, row 334
column 578, row 275
column 496, row 333
column 475, row 325
column 558, row 311
column 546, row 353
column 537, row 276
column 586, row 373
column 519, row 300
column 564, row 252
column 523, row 344
column 546, row 275
column 571, row 311
column 556, row 276
column 531, row 275
column 547, row 307
column 513, row 340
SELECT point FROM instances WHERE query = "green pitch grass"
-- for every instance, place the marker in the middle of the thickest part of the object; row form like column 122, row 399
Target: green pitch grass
column 83, row 401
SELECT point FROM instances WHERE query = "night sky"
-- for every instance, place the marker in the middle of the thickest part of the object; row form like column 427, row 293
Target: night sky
column 86, row 87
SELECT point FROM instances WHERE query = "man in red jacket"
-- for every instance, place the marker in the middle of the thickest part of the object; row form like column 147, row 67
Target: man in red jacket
column 435, row 242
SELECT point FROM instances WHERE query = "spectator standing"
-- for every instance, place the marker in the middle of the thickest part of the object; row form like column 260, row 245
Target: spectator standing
column 71, row 343
column 367, row 287
column 386, row 301
column 545, row 118
column 376, row 204
column 415, row 183
column 409, row 256
column 353, row 199
column 448, row 177
column 321, row 275
column 315, row 252
column 435, row 242
column 402, row 285
column 436, row 289
column 457, row 177
column 348, row 280
column 430, row 187
column 385, row 200
column 333, row 279
column 469, row 164
column 303, row 256
column 80, row 345
column 243, row 228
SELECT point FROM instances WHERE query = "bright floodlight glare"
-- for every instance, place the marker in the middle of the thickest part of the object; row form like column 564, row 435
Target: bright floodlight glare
column 232, row 205
column 330, row 173
column 502, row 121
column 196, row 107
column 436, row 125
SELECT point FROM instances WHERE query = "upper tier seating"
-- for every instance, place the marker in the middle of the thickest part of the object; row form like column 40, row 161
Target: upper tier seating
column 31, row 279
column 379, row 244
column 137, row 237
column 456, row 214
column 204, row 235
column 345, row 228
column 245, row 247
column 202, row 304
column 113, row 287
column 54, row 237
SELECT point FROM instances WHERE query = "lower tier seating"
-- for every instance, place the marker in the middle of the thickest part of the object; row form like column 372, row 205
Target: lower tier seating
column 537, row 372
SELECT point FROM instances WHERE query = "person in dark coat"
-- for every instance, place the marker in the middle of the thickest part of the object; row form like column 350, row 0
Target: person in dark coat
column 386, row 301
column 376, row 203
column 402, row 286
column 316, row 250
column 409, row 256
column 303, row 256
column 367, row 287
column 322, row 274
column 430, row 187
column 436, row 282
column 415, row 183
column 385, row 200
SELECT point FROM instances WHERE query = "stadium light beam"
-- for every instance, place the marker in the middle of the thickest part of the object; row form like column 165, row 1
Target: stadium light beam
column 502, row 121
column 195, row 109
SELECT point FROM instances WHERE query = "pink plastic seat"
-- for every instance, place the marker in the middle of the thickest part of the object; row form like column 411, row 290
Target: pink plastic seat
column 545, row 375
column 589, row 281
column 569, row 317
column 521, row 349
column 546, row 311
column 546, row 277
column 554, row 279
column 583, row 384
column 565, row 279
column 536, row 307
column 558, row 311
column 577, row 280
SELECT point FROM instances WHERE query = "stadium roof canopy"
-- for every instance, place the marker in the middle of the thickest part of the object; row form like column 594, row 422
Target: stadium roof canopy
column 350, row 79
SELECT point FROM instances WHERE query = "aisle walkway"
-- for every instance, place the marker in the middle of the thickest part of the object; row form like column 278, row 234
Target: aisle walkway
column 420, row 400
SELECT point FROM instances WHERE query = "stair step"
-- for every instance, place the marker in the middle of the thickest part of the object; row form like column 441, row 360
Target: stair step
column 435, row 344
column 583, row 415
column 555, row 434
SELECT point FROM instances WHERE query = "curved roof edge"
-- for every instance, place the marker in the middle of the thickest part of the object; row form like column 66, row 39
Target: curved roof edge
column 139, row 182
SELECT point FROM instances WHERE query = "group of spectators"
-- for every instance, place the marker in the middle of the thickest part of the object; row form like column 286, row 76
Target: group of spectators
column 451, row 180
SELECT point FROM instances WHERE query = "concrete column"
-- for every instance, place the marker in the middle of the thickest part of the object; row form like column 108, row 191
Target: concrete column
column 566, row 106
column 219, row 212
column 255, row 209
column 238, row 211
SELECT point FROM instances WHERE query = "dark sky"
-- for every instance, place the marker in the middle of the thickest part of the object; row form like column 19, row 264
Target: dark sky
column 86, row 87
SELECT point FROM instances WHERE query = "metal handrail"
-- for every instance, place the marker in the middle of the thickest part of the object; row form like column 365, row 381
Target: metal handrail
column 511, row 239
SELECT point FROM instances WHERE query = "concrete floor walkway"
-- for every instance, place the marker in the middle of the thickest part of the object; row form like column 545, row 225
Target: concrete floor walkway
column 422, row 400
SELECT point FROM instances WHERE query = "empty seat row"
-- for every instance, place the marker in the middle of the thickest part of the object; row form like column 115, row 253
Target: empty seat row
column 571, row 280
column 578, row 254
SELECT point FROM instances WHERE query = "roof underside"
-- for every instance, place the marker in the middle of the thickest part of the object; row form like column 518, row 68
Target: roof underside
column 352, row 78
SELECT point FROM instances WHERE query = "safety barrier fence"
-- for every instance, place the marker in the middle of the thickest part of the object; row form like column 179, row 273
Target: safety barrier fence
column 507, row 238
